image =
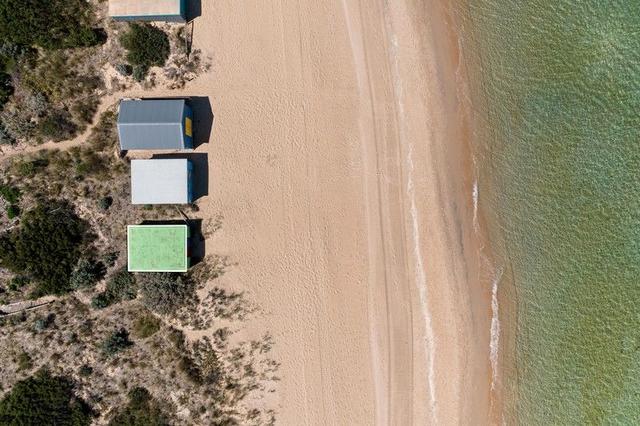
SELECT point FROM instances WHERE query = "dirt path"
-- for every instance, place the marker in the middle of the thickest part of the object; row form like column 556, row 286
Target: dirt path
column 105, row 103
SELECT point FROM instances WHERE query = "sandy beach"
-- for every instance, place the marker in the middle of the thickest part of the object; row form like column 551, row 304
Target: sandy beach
column 340, row 171
column 338, row 163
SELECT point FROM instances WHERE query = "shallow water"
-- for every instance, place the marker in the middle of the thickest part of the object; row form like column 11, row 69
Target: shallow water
column 556, row 95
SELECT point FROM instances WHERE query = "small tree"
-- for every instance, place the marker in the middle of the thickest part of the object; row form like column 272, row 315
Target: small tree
column 46, row 246
column 44, row 400
column 147, row 46
column 116, row 342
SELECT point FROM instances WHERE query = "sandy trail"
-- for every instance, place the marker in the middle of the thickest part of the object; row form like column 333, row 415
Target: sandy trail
column 339, row 163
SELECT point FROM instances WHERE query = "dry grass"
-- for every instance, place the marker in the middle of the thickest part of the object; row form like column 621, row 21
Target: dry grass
column 205, row 381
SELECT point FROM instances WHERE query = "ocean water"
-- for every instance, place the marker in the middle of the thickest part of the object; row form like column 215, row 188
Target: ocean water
column 555, row 88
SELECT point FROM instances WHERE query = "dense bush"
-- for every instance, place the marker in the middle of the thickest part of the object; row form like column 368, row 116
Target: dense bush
column 44, row 400
column 13, row 211
column 105, row 203
column 51, row 24
column 46, row 246
column 120, row 286
column 164, row 293
column 85, row 370
column 142, row 410
column 18, row 282
column 11, row 194
column 100, row 301
column 116, row 342
column 147, row 46
column 86, row 273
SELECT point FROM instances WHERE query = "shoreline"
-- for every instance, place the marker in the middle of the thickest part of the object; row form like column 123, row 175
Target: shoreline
column 342, row 172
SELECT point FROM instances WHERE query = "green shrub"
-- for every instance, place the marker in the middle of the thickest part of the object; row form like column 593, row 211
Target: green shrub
column 105, row 203
column 110, row 258
column 122, row 285
column 46, row 23
column 142, row 410
column 44, row 323
column 86, row 273
column 100, row 300
column 11, row 194
column 44, row 400
column 124, row 69
column 85, row 370
column 116, row 342
column 18, row 282
column 164, row 293
column 46, row 246
column 139, row 73
column 146, row 46
column 13, row 211
column 145, row 326
column 6, row 138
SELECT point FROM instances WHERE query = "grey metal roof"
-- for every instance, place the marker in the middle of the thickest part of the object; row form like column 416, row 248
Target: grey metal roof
column 160, row 181
column 151, row 124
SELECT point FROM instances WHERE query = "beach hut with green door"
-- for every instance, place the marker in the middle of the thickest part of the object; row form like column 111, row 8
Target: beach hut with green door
column 158, row 248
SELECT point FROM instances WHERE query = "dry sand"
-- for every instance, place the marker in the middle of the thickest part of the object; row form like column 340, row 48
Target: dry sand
column 338, row 160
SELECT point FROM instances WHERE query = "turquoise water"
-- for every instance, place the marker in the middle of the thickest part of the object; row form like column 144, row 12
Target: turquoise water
column 556, row 95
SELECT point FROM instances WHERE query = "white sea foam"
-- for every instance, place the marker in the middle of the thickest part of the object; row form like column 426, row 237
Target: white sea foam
column 494, row 341
column 421, row 283
column 474, row 194
column 421, row 276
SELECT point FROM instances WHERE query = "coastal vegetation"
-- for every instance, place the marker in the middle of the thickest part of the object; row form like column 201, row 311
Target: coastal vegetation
column 141, row 410
column 146, row 46
column 47, row 69
column 46, row 246
column 209, row 380
column 44, row 399
column 47, row 24
column 83, row 340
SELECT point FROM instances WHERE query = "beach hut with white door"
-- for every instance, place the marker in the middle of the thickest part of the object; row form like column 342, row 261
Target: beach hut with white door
column 161, row 181
column 155, row 124
column 148, row 10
